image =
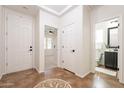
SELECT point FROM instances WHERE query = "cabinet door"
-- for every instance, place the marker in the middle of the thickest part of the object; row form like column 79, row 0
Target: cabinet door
column 111, row 60
column 115, row 55
column 108, row 61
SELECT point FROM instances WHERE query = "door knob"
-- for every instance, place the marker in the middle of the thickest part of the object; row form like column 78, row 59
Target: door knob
column 30, row 46
column 30, row 49
column 73, row 50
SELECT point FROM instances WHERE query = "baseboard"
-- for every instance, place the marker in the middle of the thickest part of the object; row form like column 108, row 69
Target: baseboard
column 82, row 76
column 1, row 77
column 36, row 69
column 93, row 72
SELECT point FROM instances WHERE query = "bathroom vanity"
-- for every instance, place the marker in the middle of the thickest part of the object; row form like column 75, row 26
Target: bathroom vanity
column 111, row 59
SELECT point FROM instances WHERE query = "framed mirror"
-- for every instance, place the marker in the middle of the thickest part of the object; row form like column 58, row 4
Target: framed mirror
column 113, row 37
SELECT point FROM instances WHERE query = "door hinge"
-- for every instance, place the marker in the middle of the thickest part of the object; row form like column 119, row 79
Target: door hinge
column 6, row 49
column 6, row 33
column 6, row 64
column 118, row 25
column 6, row 18
column 62, row 31
column 62, row 46
column 62, row 61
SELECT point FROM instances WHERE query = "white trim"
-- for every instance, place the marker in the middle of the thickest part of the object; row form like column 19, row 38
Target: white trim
column 49, row 10
column 66, row 9
column 37, row 70
column 1, row 76
column 5, row 29
column 54, row 12
column 120, row 62
column 58, row 47
column 33, row 41
column 82, row 76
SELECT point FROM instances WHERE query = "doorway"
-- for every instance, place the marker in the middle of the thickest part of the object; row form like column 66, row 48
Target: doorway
column 107, row 47
column 50, row 47
column 19, row 45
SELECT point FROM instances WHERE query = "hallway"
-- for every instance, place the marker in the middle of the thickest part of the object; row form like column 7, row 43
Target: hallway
column 29, row 78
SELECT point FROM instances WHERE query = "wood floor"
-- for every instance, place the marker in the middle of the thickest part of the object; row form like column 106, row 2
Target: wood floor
column 29, row 78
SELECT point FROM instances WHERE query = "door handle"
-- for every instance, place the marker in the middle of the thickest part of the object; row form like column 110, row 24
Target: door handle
column 30, row 46
column 30, row 49
column 73, row 50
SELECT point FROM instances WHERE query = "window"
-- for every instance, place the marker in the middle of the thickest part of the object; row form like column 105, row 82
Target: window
column 48, row 43
column 99, row 36
column 99, row 39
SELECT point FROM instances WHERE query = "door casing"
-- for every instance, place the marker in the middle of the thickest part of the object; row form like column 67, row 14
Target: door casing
column 120, row 44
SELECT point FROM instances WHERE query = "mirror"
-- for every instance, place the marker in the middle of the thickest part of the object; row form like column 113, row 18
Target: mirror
column 113, row 37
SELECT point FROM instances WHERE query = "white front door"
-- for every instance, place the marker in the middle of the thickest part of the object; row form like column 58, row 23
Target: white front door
column 68, row 47
column 18, row 41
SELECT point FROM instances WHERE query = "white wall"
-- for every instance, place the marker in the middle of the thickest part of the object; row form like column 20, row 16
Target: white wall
column 86, row 39
column 103, row 13
column 80, row 17
column 2, row 43
column 37, row 46
column 50, row 20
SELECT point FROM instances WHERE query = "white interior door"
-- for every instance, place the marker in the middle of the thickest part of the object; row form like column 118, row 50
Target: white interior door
column 19, row 42
column 68, row 48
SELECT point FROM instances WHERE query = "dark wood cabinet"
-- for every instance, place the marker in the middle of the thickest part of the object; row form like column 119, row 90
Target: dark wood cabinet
column 111, row 60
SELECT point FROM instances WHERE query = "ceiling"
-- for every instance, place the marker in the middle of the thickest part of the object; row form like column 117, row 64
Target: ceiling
column 61, row 9
column 33, row 9
column 27, row 9
column 56, row 9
